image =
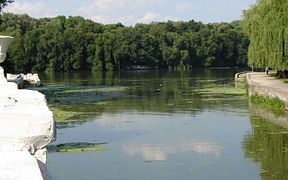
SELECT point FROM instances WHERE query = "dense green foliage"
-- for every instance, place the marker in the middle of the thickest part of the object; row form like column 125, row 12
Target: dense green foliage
column 73, row 43
column 266, row 24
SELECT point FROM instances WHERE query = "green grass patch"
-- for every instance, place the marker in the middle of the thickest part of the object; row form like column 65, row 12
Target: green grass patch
column 276, row 105
column 269, row 102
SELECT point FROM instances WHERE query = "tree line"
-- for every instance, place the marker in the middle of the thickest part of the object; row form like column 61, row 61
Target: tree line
column 74, row 44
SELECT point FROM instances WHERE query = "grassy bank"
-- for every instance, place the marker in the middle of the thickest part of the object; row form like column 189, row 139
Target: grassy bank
column 274, row 104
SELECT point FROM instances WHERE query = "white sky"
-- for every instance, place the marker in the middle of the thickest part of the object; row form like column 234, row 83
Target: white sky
column 130, row 12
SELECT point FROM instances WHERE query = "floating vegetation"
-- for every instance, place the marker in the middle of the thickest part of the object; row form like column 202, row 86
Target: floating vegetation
column 263, row 171
column 61, row 115
column 101, row 89
column 80, row 94
column 77, row 147
column 72, row 103
column 223, row 90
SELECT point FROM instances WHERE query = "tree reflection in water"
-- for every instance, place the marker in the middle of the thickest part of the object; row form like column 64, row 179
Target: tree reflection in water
column 268, row 143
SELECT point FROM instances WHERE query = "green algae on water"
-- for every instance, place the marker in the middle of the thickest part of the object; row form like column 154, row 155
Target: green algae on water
column 223, row 90
column 80, row 95
column 61, row 115
column 77, row 147
column 102, row 89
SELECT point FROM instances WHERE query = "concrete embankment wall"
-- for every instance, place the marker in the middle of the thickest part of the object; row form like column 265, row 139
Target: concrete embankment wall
column 26, row 128
column 281, row 120
column 261, row 84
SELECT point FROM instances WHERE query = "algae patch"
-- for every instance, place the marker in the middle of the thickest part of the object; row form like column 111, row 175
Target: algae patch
column 223, row 90
column 77, row 147
column 100, row 89
column 73, row 103
column 61, row 115
column 80, row 94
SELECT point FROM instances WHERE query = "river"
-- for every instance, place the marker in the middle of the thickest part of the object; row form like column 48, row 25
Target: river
column 163, row 125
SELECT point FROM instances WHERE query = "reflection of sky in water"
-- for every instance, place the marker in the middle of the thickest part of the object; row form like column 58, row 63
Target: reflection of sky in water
column 183, row 132
column 160, row 152
column 106, row 120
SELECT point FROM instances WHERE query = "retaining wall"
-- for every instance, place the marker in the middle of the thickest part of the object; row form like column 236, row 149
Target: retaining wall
column 26, row 128
column 261, row 84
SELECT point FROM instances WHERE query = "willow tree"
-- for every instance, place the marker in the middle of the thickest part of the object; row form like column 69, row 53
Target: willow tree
column 266, row 24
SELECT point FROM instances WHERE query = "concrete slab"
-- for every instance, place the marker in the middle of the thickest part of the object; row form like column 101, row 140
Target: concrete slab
column 19, row 166
column 27, row 127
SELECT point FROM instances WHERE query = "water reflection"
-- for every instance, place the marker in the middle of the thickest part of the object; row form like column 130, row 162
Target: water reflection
column 267, row 144
column 161, row 152
column 154, row 91
column 107, row 121
column 277, row 117
column 162, row 116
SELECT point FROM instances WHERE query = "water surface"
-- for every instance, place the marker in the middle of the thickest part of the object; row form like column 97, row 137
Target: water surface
column 165, row 125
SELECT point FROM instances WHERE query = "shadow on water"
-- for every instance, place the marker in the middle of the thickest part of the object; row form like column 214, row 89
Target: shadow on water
column 267, row 144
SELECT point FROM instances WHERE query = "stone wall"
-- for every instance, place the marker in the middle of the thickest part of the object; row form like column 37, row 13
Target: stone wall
column 281, row 120
column 27, row 127
column 261, row 84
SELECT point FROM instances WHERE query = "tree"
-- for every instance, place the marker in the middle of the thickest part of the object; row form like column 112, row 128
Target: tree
column 75, row 44
column 4, row 3
column 266, row 24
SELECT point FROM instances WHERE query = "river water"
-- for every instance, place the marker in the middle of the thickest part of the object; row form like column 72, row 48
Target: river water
column 165, row 125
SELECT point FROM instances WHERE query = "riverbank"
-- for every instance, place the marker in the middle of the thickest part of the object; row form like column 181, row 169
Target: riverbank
column 261, row 84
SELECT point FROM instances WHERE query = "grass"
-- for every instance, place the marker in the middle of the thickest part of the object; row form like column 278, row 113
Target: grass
column 276, row 105
column 268, row 102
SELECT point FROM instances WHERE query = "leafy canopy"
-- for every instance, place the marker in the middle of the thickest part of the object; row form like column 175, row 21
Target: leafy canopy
column 266, row 24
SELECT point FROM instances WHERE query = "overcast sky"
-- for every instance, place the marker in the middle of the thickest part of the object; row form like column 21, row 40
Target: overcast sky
column 130, row 12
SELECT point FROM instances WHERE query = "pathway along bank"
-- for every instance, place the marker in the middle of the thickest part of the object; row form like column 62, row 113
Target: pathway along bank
column 261, row 84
